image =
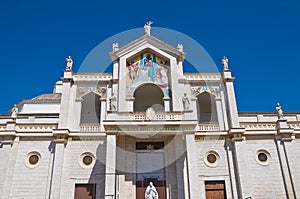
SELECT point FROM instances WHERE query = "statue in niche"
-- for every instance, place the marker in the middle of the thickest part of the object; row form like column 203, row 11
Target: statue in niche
column 225, row 63
column 279, row 111
column 180, row 47
column 69, row 63
column 185, row 102
column 14, row 112
column 147, row 27
column 150, row 114
column 115, row 47
column 151, row 192
column 112, row 102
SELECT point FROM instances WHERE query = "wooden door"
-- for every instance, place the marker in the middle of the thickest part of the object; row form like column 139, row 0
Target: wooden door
column 85, row 191
column 215, row 190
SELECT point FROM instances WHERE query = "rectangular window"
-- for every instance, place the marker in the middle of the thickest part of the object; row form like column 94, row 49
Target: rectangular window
column 85, row 191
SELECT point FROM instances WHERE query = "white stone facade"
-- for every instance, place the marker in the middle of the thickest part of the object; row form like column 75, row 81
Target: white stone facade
column 78, row 136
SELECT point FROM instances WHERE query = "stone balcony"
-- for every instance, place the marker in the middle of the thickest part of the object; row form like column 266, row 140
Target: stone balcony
column 204, row 127
column 141, row 116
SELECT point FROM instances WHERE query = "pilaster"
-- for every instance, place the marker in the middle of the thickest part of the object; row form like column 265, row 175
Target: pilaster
column 285, row 134
column 60, row 141
column 65, row 100
column 167, row 103
column 110, row 171
column 8, row 157
column 102, row 113
column 220, row 113
column 231, row 100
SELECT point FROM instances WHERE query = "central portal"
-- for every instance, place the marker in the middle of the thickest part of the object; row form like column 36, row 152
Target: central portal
column 150, row 167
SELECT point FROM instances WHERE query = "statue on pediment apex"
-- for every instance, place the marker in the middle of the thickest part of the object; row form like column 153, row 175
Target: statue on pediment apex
column 147, row 27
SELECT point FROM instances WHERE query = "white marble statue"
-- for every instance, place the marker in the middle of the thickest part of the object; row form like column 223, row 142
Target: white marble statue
column 69, row 63
column 225, row 63
column 147, row 27
column 186, row 102
column 180, row 47
column 150, row 113
column 112, row 102
column 279, row 111
column 115, row 47
column 151, row 192
column 14, row 112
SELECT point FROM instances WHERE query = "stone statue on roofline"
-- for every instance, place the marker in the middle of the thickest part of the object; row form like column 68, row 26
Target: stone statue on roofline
column 69, row 63
column 14, row 112
column 115, row 47
column 225, row 63
column 279, row 111
column 147, row 27
column 180, row 47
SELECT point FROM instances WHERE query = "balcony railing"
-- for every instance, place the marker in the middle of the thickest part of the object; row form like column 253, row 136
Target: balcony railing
column 208, row 126
column 90, row 127
column 141, row 116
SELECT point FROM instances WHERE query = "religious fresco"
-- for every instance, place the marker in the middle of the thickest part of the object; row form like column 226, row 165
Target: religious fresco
column 97, row 89
column 147, row 68
column 213, row 90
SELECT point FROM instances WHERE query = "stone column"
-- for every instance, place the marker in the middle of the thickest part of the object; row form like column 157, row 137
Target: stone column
column 285, row 134
column 57, row 168
column 110, row 171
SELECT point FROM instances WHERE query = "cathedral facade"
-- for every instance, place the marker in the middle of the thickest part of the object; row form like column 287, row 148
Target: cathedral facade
column 147, row 130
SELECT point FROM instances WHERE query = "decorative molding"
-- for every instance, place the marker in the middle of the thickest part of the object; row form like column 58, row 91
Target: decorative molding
column 35, row 128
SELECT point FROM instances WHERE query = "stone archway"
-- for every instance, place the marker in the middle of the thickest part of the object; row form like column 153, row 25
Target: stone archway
column 148, row 95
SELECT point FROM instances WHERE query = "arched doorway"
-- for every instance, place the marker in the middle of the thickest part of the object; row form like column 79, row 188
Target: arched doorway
column 148, row 95
column 207, row 111
column 90, row 108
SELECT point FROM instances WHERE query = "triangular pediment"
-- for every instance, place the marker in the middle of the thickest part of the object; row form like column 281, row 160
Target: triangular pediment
column 145, row 41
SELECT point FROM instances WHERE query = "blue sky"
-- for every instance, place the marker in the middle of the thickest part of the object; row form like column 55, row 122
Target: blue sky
column 261, row 39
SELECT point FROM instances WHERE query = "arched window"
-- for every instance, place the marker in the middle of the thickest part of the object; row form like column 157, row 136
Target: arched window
column 90, row 109
column 148, row 95
column 207, row 108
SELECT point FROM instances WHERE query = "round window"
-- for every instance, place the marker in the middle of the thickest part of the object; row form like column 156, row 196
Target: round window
column 87, row 160
column 33, row 159
column 212, row 159
column 263, row 157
